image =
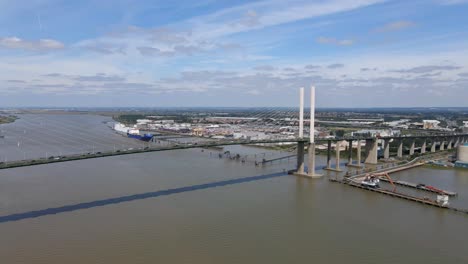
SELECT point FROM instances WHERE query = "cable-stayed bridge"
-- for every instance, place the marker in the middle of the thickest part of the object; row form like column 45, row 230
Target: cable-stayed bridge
column 70, row 140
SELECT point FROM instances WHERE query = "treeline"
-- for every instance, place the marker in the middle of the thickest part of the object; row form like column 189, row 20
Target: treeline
column 128, row 119
column 131, row 119
column 7, row 119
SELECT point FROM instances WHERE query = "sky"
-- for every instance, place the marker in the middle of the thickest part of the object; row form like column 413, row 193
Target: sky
column 159, row 53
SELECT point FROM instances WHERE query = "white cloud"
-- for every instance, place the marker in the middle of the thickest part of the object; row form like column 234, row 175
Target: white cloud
column 207, row 33
column 250, row 19
column 335, row 66
column 155, row 60
column 395, row 26
column 105, row 48
column 39, row 45
column 269, row 13
column 333, row 41
column 253, row 92
column 452, row 2
column 265, row 68
column 429, row 69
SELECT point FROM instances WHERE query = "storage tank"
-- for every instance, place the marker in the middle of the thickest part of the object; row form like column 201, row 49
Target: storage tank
column 462, row 154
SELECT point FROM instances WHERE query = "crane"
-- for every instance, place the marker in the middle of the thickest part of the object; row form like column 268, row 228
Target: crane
column 384, row 174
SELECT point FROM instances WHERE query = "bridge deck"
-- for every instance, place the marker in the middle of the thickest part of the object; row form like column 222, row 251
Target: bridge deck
column 41, row 161
column 32, row 162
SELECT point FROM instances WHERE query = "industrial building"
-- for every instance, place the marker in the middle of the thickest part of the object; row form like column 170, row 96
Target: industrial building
column 430, row 124
column 465, row 126
column 376, row 133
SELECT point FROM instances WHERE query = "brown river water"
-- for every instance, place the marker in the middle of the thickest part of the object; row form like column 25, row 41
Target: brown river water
column 188, row 206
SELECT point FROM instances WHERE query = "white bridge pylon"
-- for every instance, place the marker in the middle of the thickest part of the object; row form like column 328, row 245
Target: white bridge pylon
column 311, row 147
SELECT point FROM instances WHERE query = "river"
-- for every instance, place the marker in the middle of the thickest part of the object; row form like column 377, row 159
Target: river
column 189, row 206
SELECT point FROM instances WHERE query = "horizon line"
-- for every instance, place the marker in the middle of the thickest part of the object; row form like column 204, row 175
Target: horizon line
column 244, row 107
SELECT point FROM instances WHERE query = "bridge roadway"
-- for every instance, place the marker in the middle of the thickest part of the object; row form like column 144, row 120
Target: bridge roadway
column 41, row 161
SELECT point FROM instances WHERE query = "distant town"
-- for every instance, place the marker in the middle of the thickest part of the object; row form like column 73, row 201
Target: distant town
column 252, row 124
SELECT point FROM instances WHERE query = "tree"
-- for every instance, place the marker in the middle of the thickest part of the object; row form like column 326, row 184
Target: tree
column 340, row 133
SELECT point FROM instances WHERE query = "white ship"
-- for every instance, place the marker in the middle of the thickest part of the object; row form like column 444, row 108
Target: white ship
column 131, row 132
column 370, row 182
column 119, row 127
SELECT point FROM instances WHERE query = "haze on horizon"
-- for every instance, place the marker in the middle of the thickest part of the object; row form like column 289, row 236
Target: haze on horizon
column 364, row 53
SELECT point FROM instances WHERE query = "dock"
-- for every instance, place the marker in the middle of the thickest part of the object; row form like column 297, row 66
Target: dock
column 219, row 148
column 389, row 168
column 405, row 167
column 401, row 195
column 420, row 187
column 281, row 158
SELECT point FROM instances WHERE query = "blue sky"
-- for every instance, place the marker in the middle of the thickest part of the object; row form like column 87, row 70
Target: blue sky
column 358, row 53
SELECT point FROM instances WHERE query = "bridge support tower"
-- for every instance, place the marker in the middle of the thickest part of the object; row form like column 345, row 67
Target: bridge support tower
column 412, row 148
column 300, row 157
column 358, row 153
column 329, row 154
column 350, row 153
column 301, row 144
column 400, row 149
column 372, row 151
column 337, row 159
column 311, row 163
column 434, row 146
column 311, row 172
column 386, row 149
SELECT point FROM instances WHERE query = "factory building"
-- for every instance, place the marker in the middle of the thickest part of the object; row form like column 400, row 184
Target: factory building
column 465, row 126
column 430, row 124
column 376, row 133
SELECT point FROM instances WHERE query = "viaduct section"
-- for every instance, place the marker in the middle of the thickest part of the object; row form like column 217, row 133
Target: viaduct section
column 371, row 152
column 368, row 150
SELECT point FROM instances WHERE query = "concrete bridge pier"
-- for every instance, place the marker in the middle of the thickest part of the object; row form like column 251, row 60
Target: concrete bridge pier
column 371, row 151
column 311, row 162
column 358, row 155
column 457, row 142
column 434, row 146
column 386, row 149
column 300, row 157
column 329, row 155
column 424, row 146
column 350, row 153
column 442, row 145
column 449, row 146
column 400, row 149
column 337, row 159
column 412, row 147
